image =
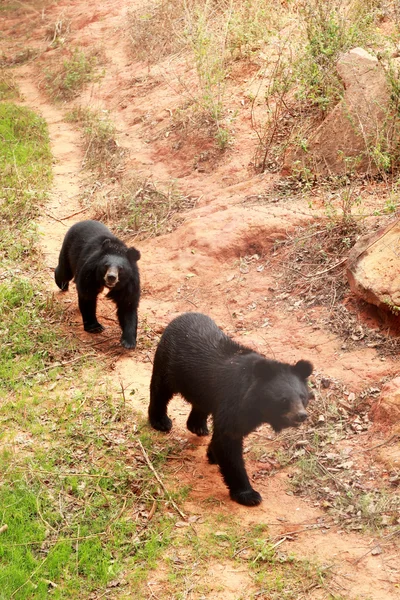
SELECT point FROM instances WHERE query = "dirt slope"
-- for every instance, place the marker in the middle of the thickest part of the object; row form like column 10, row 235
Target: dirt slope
column 197, row 267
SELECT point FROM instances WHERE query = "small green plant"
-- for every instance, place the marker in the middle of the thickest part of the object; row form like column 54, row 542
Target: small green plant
column 222, row 138
column 385, row 152
column 331, row 28
column 250, row 26
column 394, row 309
column 205, row 36
column 392, row 203
column 303, row 175
column 102, row 152
column 66, row 81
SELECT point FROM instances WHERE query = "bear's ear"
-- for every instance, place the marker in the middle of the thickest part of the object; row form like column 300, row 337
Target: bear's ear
column 303, row 368
column 133, row 255
column 264, row 369
column 106, row 244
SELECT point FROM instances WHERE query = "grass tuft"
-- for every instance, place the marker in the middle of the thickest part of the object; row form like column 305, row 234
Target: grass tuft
column 8, row 87
column 102, row 152
column 66, row 81
column 142, row 209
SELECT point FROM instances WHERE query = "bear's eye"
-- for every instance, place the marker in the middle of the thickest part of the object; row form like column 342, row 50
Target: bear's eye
column 304, row 399
column 284, row 403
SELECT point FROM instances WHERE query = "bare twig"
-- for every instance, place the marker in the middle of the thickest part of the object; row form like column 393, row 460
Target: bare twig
column 58, row 364
column 55, row 218
column 30, row 576
column 393, row 437
column 74, row 473
column 376, row 545
column 152, row 511
column 41, row 516
column 156, row 475
column 78, row 212
column 122, row 391
column 71, row 539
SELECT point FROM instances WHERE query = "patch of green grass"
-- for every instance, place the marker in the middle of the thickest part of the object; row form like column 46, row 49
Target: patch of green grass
column 76, row 504
column 30, row 346
column 72, row 534
column 25, row 164
column 65, row 81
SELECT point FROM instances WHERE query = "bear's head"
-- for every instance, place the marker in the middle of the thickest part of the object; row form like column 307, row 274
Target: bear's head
column 116, row 263
column 281, row 392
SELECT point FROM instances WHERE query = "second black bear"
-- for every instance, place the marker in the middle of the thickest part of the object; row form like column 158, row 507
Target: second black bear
column 240, row 388
column 95, row 258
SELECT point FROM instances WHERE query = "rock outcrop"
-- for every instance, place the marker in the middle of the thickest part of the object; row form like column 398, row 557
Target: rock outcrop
column 373, row 268
column 341, row 143
column 387, row 408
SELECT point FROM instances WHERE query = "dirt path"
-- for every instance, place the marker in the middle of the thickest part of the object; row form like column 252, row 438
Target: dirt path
column 197, row 268
column 63, row 208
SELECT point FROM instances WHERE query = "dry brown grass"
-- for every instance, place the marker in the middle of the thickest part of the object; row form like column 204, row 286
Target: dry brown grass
column 103, row 155
column 141, row 209
column 158, row 31
column 313, row 273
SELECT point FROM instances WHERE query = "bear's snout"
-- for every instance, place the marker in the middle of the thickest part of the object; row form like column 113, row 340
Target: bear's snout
column 301, row 416
column 111, row 277
column 295, row 417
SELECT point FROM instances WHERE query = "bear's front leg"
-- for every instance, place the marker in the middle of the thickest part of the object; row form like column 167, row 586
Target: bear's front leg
column 128, row 320
column 227, row 452
column 87, row 306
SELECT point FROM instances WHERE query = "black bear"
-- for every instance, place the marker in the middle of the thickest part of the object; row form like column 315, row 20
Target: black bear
column 96, row 258
column 239, row 387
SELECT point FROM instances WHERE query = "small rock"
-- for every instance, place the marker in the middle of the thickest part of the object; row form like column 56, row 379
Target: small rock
column 387, row 407
column 352, row 125
column 373, row 268
column 377, row 550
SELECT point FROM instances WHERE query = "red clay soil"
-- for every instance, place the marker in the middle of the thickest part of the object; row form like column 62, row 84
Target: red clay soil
column 198, row 267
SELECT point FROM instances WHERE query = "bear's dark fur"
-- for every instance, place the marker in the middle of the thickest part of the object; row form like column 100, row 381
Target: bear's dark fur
column 239, row 387
column 96, row 258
